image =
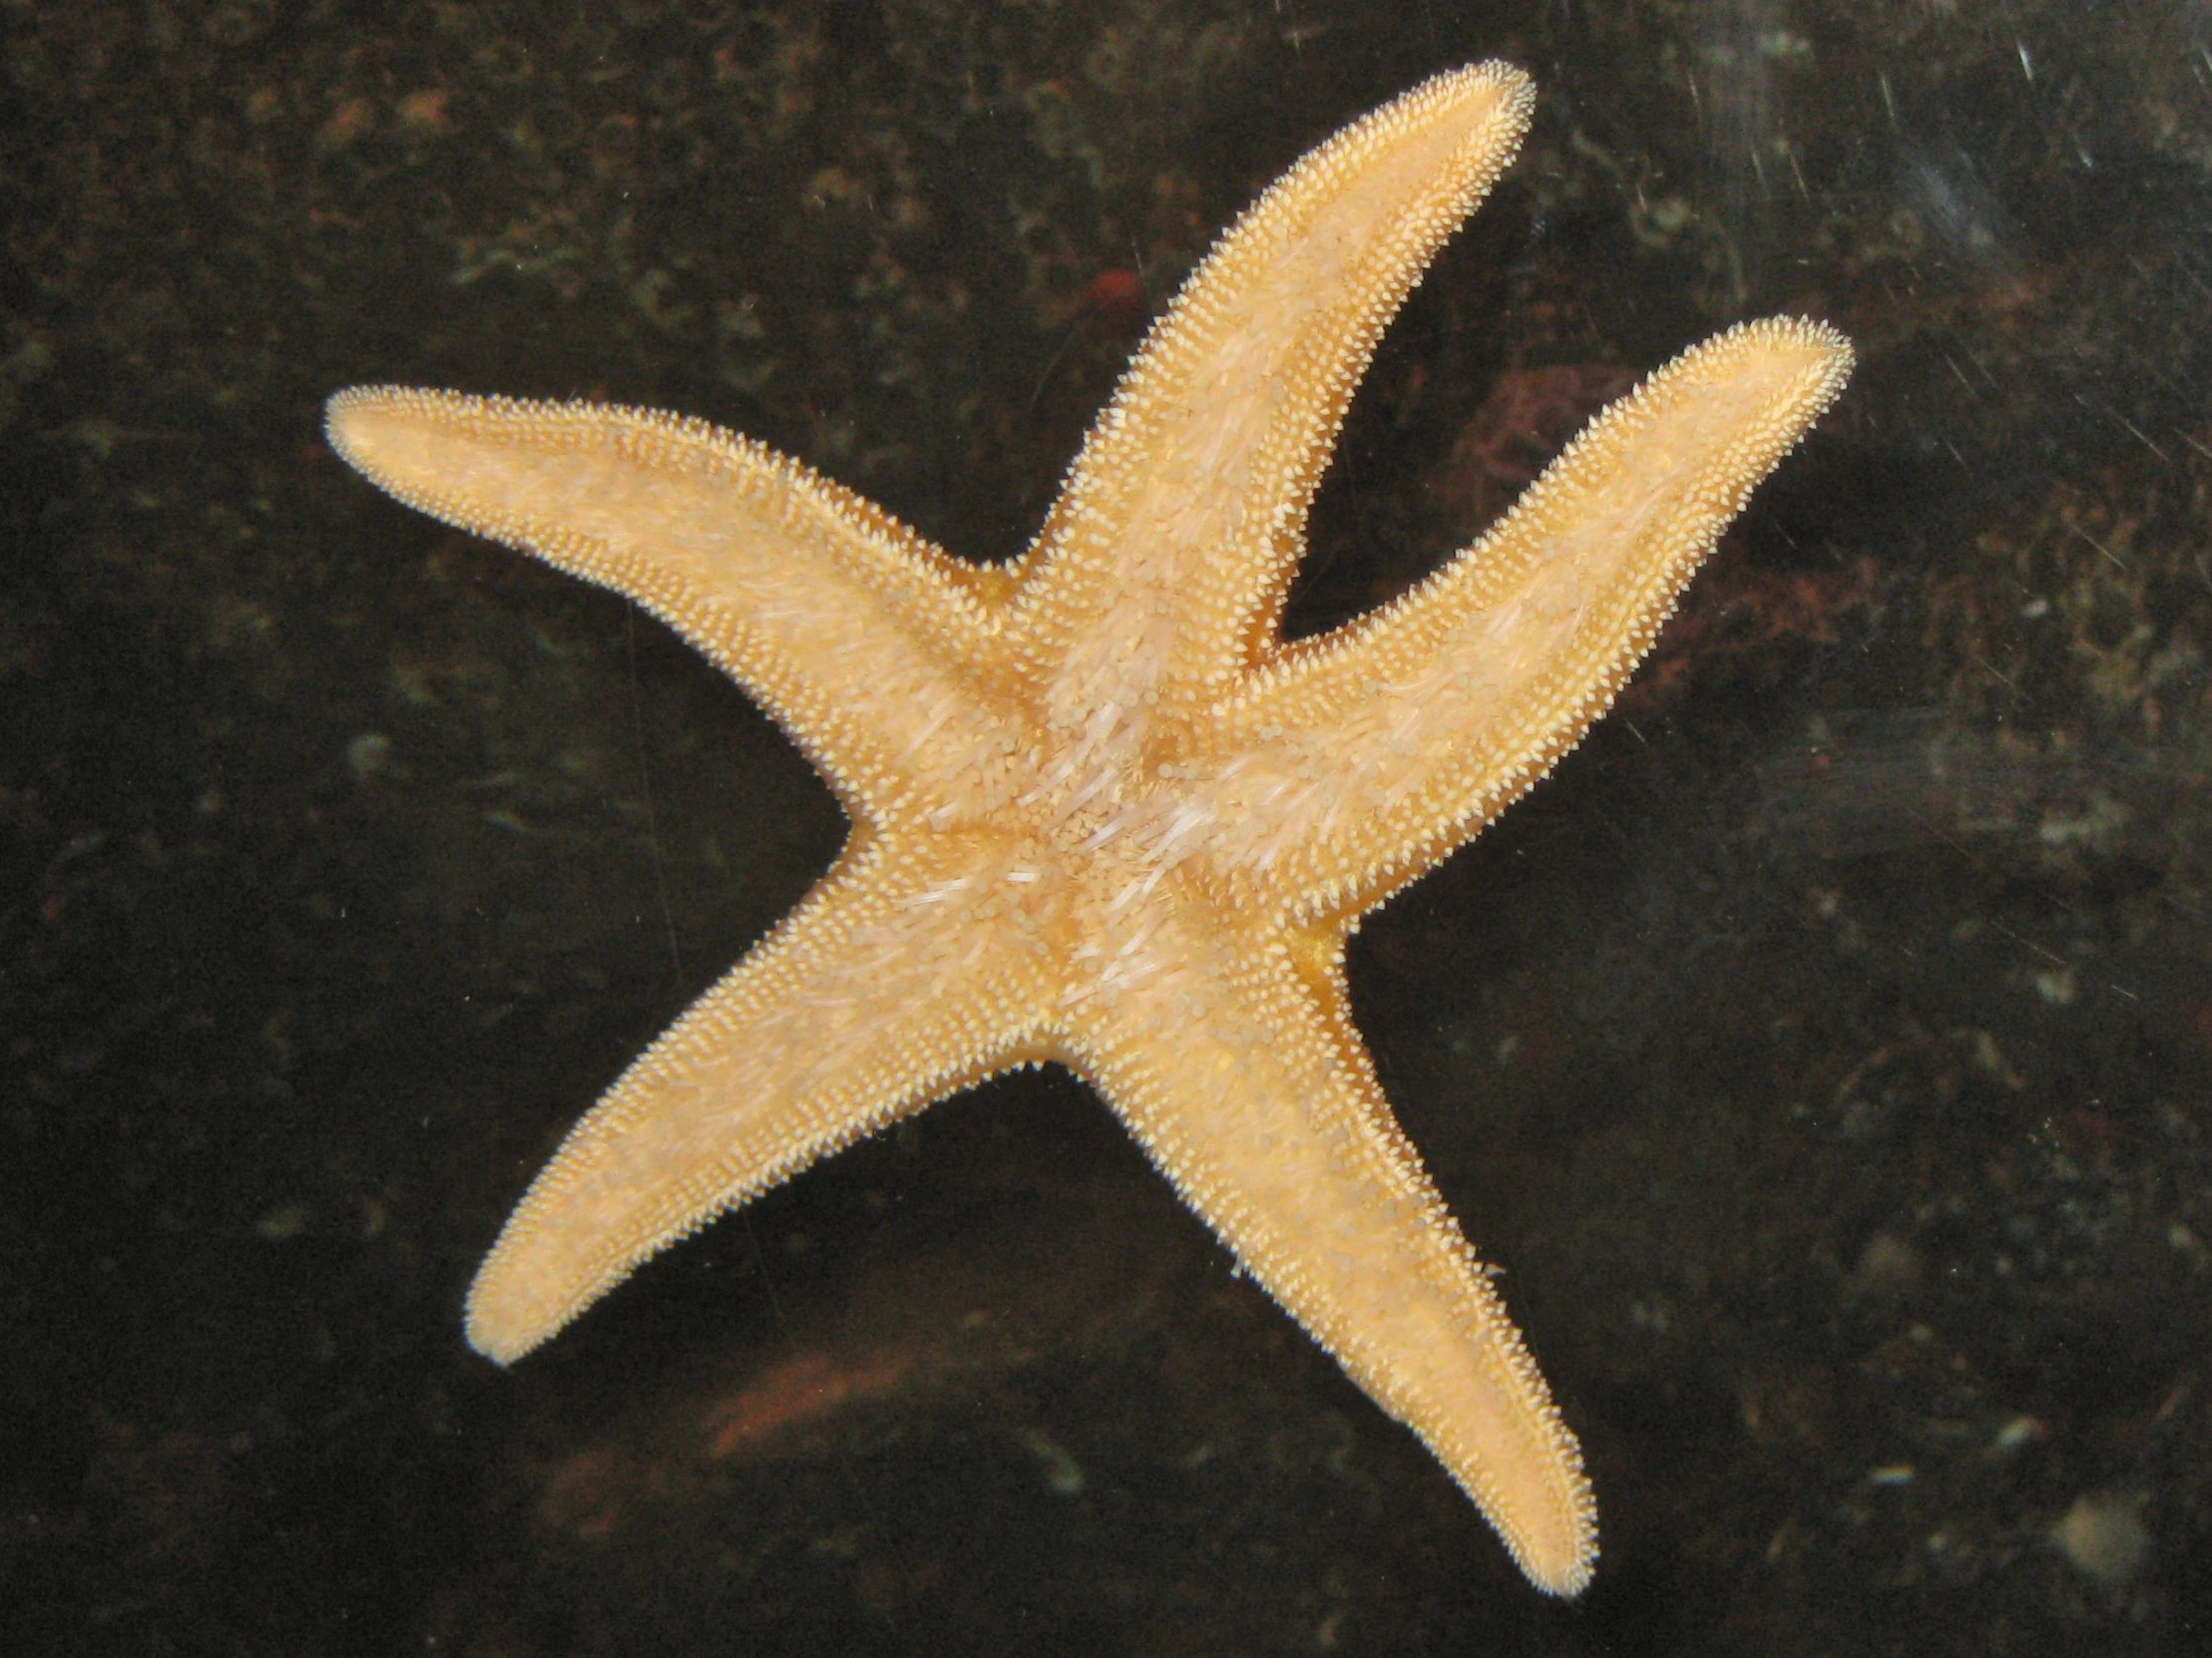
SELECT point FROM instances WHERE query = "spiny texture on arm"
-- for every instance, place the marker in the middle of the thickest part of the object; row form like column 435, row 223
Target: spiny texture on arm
column 1175, row 540
column 1354, row 762
column 814, row 599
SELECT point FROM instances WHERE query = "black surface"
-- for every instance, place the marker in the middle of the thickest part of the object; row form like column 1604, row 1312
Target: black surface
column 1822, row 1052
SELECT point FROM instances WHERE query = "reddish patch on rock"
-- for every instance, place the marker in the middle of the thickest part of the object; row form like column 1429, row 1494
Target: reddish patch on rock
column 797, row 1392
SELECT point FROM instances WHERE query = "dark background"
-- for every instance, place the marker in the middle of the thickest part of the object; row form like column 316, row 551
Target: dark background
column 1822, row 1053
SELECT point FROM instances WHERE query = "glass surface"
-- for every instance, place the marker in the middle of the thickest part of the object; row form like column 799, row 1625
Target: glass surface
column 1821, row 1054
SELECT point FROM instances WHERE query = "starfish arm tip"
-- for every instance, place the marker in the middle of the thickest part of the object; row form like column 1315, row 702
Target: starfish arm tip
column 500, row 1322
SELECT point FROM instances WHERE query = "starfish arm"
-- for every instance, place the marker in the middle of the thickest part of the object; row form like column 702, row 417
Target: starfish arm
column 900, row 978
column 1248, row 1085
column 847, row 627
column 1163, row 565
column 1346, row 768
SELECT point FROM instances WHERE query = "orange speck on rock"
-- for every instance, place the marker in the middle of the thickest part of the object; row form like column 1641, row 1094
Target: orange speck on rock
column 1116, row 293
column 425, row 108
column 588, row 1494
column 348, row 122
column 798, row 1391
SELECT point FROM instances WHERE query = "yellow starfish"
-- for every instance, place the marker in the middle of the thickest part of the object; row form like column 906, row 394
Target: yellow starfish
column 1100, row 813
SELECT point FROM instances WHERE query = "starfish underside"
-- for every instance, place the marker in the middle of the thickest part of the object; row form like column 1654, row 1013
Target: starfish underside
column 1100, row 813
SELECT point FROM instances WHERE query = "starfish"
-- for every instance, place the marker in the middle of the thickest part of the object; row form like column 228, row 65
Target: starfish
column 1102, row 813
